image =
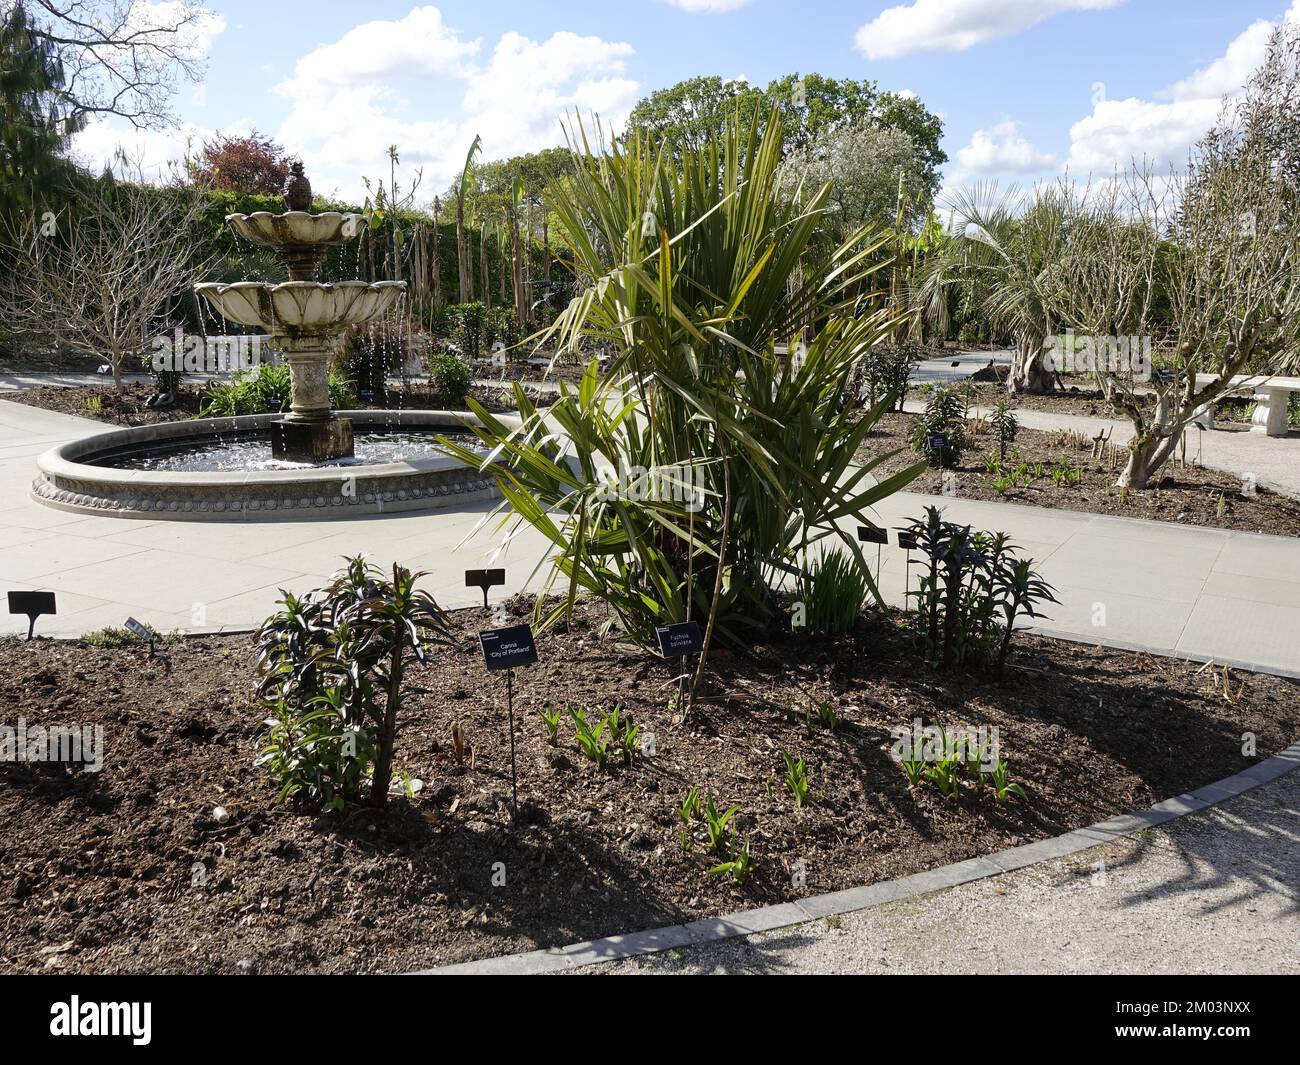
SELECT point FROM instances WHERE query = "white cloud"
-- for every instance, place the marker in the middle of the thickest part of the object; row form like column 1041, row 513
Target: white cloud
column 1001, row 150
column 956, row 25
column 709, row 7
column 1163, row 131
column 353, row 98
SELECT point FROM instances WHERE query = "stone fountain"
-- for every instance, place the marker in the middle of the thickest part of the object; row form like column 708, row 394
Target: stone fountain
column 302, row 316
column 304, row 464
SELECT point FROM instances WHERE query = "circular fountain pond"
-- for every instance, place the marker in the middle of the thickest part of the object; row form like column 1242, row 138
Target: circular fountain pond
column 222, row 469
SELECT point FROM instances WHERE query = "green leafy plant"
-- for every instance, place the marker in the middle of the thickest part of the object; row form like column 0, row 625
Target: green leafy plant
column 550, row 716
column 940, row 433
column 796, row 779
column 1003, row 786
column 591, row 740
column 971, row 592
column 828, row 716
column 831, row 592
column 696, row 267
column 1005, row 426
column 688, row 812
column 622, row 732
column 450, row 377
column 342, row 651
column 716, row 824
column 263, row 389
column 740, row 864
column 469, row 325
column 914, row 766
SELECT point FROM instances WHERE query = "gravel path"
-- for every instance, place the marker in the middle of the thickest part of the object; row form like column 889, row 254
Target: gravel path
column 1213, row 892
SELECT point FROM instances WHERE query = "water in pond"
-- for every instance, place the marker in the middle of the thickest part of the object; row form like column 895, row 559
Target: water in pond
column 237, row 452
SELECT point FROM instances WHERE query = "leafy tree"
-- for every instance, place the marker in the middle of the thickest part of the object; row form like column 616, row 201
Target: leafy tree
column 35, row 116
column 864, row 165
column 254, row 165
column 694, row 112
column 811, row 105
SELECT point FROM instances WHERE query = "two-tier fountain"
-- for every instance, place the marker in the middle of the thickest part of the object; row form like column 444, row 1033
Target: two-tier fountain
column 303, row 317
column 303, row 463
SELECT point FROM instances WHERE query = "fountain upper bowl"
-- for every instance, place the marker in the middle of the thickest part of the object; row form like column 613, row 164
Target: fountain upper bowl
column 297, row 229
column 301, row 306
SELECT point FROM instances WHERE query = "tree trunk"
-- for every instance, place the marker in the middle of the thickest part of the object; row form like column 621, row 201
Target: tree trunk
column 1147, row 453
column 486, row 294
column 462, row 251
column 1029, row 372
column 437, row 258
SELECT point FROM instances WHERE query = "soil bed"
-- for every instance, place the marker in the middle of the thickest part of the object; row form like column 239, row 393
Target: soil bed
column 1183, row 495
column 129, row 870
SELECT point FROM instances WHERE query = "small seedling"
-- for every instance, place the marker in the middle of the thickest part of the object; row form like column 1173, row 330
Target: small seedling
column 796, row 778
column 551, row 719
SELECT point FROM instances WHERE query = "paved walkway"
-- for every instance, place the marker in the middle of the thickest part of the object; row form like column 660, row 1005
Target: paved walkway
column 1172, row 589
column 1274, row 462
column 1214, row 892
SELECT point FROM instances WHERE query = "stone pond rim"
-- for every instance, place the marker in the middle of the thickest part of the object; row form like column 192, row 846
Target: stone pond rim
column 69, row 481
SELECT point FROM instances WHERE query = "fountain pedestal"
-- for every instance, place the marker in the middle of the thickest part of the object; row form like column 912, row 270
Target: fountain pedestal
column 310, row 432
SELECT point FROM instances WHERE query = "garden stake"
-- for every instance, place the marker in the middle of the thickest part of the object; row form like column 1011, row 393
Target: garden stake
column 510, row 705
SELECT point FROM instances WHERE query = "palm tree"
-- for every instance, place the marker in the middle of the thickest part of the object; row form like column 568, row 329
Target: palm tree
column 463, row 251
column 998, row 258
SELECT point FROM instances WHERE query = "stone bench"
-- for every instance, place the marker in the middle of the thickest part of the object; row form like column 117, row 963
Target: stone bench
column 1272, row 398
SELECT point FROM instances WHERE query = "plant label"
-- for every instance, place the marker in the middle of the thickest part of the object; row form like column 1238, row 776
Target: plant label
column 938, row 442
column 508, row 648
column 868, row 535
column 907, row 540
column 681, row 639
column 483, row 579
column 33, row 604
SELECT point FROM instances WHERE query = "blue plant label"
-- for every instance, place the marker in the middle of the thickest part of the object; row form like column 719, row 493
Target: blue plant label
column 508, row 648
column 938, row 442
column 683, row 638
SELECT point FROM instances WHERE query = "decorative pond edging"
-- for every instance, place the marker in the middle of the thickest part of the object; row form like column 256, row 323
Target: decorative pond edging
column 69, row 481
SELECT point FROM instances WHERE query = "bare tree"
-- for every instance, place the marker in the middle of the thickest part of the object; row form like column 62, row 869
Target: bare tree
column 122, row 57
column 1223, row 242
column 103, row 277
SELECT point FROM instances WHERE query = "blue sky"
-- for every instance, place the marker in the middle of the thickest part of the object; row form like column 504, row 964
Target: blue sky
column 1025, row 87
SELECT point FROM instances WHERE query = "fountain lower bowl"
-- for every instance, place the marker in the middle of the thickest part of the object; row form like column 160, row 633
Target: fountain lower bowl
column 69, row 479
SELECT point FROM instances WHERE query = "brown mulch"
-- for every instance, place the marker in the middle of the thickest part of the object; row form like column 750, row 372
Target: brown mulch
column 128, row 869
column 1183, row 495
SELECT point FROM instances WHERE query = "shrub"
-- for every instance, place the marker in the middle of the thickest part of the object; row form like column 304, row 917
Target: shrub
column 971, row 592
column 469, row 326
column 1005, row 426
column 368, row 353
column 942, row 424
column 449, row 377
column 832, row 593
column 691, row 309
column 265, row 388
column 885, row 371
column 504, row 326
column 331, row 665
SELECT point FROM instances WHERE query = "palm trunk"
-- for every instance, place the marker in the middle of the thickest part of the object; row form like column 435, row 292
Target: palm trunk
column 1029, row 372
column 462, row 251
